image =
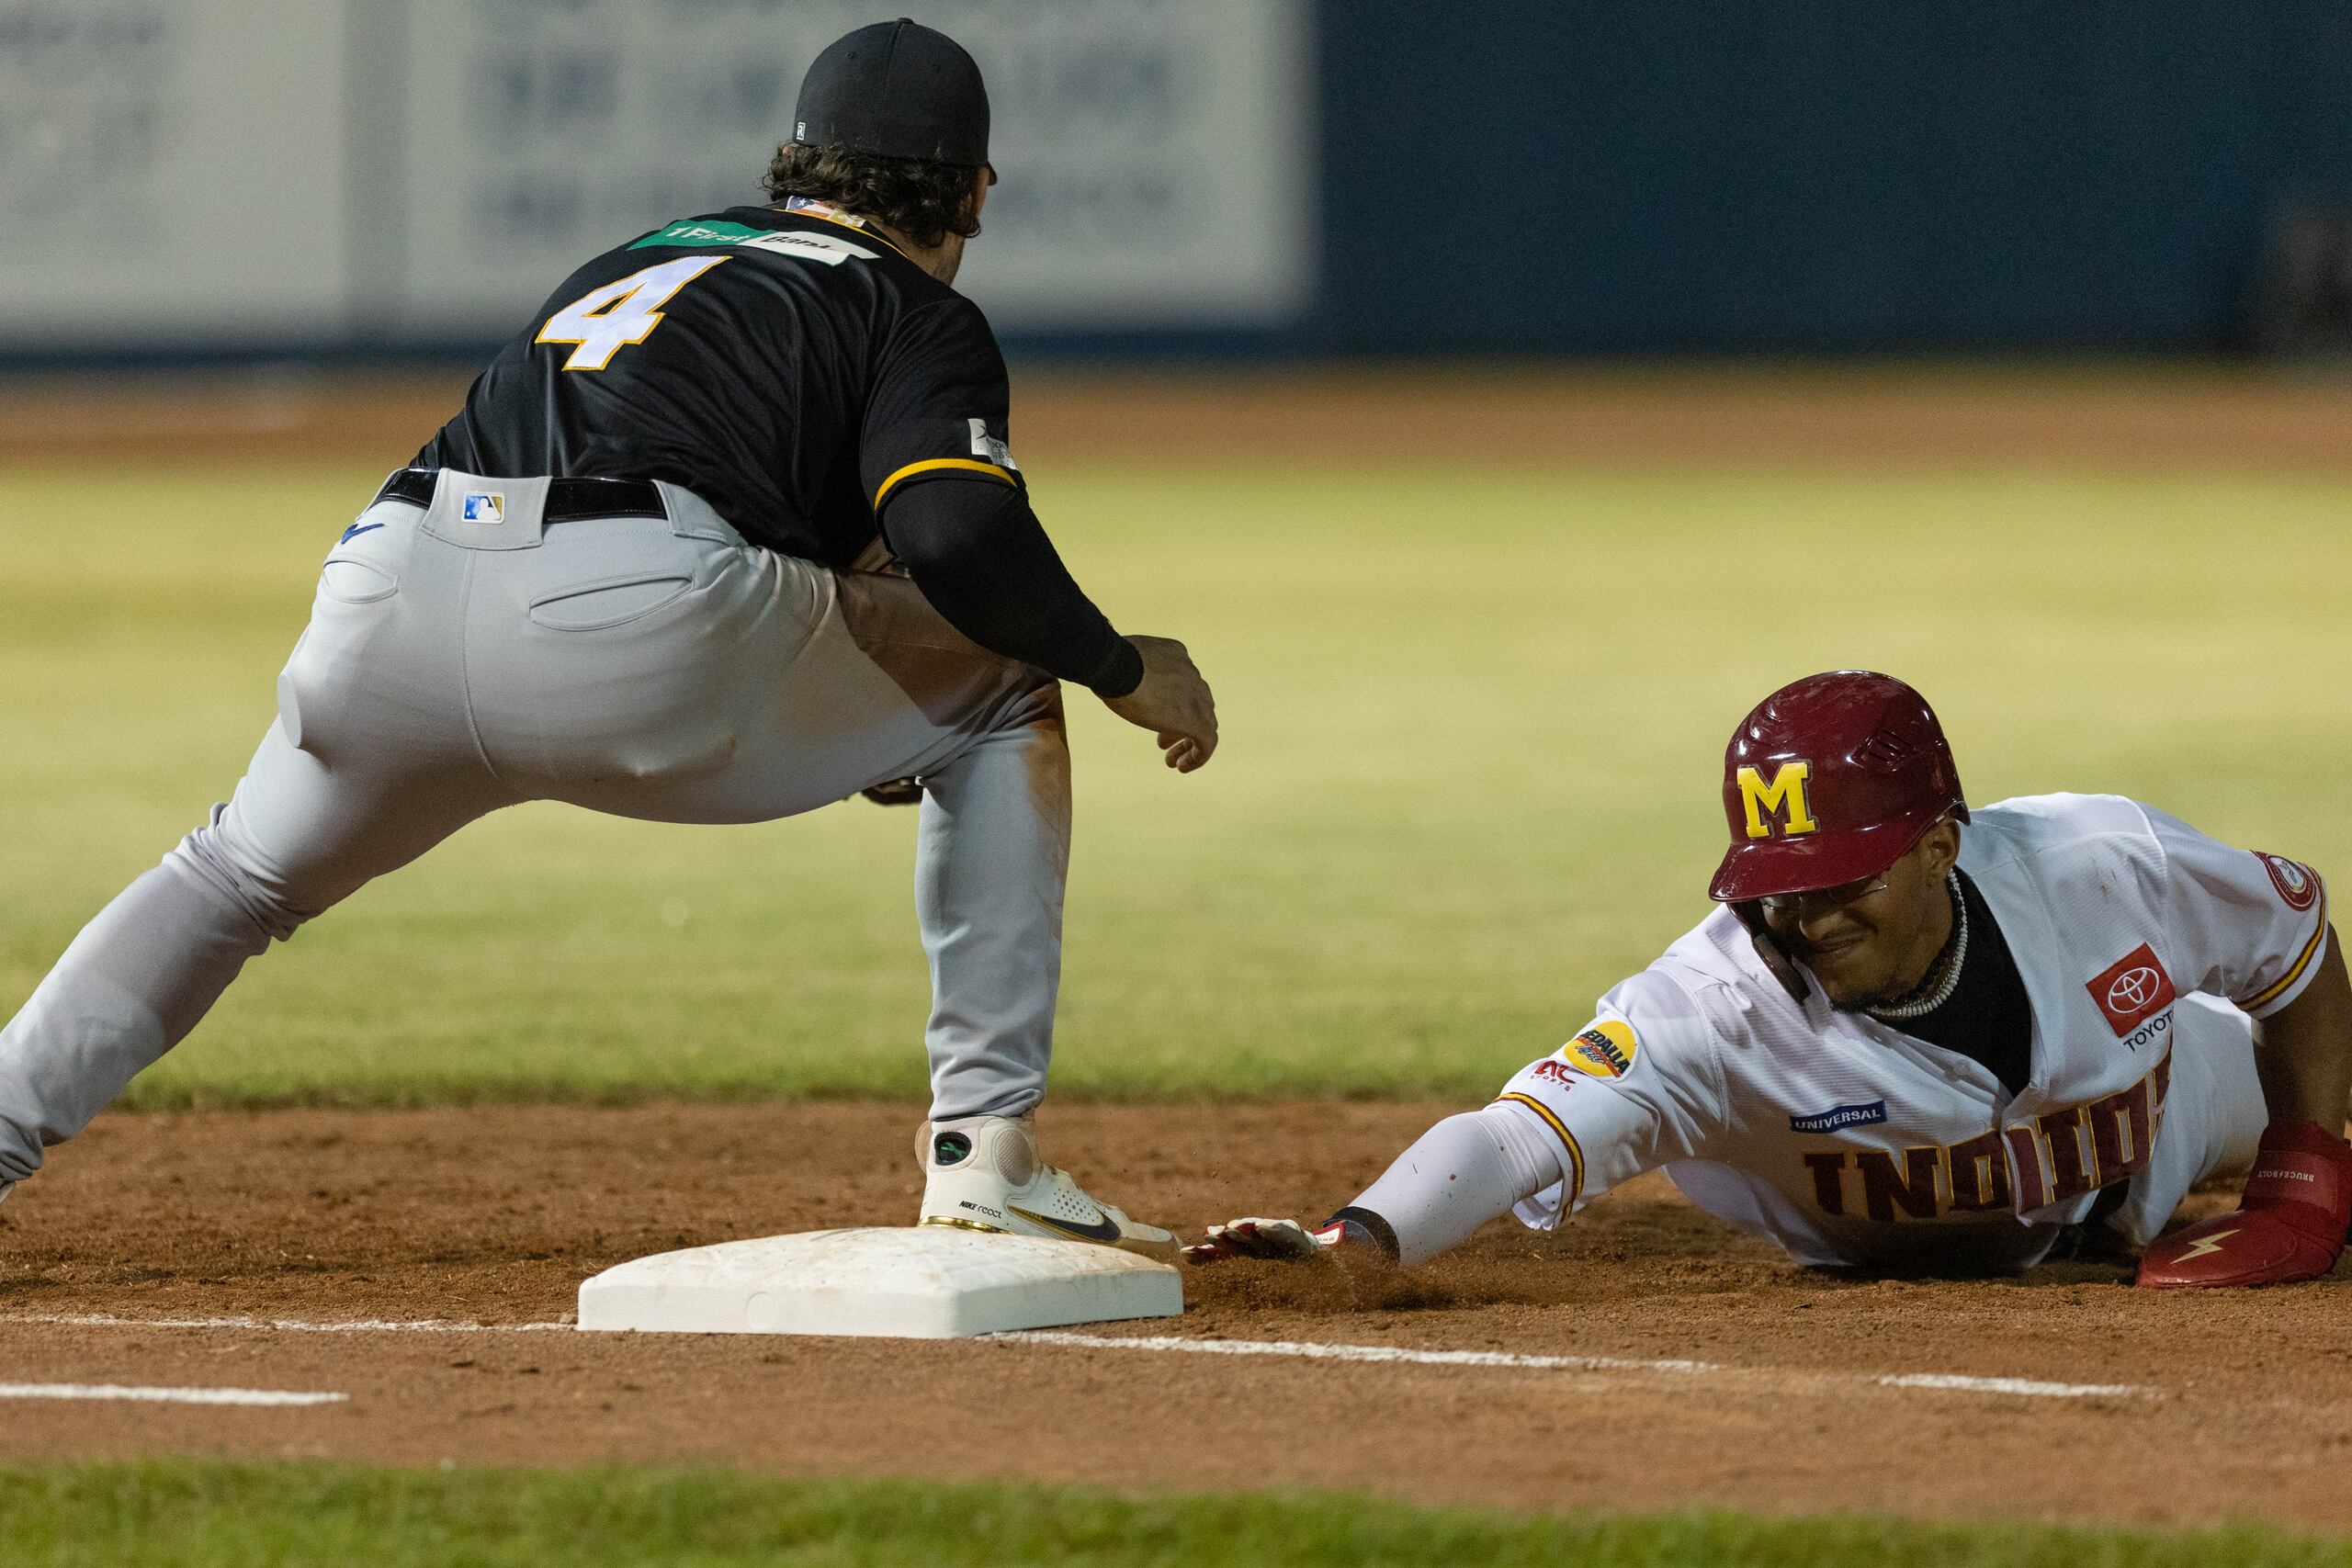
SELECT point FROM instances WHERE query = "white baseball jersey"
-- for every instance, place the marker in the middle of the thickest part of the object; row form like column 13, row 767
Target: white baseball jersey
column 1848, row 1142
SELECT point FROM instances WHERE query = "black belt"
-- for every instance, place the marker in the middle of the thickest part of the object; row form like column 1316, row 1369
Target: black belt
column 568, row 500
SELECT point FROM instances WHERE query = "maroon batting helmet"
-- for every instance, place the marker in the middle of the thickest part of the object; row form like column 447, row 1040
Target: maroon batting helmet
column 1829, row 781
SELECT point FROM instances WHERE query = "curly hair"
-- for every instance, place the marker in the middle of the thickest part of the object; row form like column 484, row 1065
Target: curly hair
column 923, row 200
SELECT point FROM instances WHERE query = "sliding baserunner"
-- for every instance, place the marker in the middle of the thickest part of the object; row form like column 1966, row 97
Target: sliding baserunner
column 1919, row 1037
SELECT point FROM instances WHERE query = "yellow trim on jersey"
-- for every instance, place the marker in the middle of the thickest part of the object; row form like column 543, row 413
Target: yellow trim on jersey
column 929, row 463
column 1576, row 1155
column 2311, row 951
column 865, row 228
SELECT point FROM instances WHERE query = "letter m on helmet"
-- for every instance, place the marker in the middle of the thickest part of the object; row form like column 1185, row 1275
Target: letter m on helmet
column 1782, row 800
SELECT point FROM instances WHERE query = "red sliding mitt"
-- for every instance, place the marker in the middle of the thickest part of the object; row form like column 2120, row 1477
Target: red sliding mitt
column 2288, row 1225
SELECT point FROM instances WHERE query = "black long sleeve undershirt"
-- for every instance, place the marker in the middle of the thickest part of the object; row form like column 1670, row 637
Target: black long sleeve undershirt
column 1988, row 1017
column 983, row 560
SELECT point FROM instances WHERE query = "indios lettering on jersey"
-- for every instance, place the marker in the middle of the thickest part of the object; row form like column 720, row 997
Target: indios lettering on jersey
column 2058, row 1156
column 1781, row 801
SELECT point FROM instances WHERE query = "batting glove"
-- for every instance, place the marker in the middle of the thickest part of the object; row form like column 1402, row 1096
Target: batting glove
column 1344, row 1240
column 1283, row 1241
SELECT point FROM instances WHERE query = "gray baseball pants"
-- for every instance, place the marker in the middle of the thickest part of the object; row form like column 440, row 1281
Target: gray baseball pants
column 646, row 667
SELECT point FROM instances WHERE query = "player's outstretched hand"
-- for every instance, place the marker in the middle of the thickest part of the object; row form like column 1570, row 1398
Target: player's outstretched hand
column 2290, row 1225
column 1282, row 1241
column 1172, row 702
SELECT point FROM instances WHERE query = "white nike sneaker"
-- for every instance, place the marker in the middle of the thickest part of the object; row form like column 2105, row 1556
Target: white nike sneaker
column 983, row 1173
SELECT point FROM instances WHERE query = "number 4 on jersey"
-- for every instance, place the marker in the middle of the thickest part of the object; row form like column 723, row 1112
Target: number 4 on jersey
column 604, row 320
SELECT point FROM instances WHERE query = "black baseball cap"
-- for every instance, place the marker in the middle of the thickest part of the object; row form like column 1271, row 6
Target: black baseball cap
column 899, row 90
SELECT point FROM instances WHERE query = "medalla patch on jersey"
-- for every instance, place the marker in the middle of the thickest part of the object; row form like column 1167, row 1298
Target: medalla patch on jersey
column 2296, row 882
column 1606, row 1050
column 1839, row 1116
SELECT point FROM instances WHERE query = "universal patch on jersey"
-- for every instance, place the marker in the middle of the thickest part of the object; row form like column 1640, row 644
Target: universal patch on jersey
column 1839, row 1116
column 1604, row 1050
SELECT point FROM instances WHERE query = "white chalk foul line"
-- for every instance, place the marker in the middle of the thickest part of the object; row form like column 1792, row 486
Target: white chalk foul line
column 1309, row 1350
column 2028, row 1388
column 2024, row 1388
column 164, row 1395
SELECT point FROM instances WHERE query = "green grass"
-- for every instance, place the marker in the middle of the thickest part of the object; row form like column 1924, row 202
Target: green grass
column 193, row 1514
column 1473, row 720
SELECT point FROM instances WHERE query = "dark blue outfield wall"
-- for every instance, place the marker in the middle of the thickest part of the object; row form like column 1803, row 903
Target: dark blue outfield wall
column 1783, row 177
column 1816, row 175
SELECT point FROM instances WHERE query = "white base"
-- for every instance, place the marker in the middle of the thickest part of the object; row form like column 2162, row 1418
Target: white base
column 921, row 1282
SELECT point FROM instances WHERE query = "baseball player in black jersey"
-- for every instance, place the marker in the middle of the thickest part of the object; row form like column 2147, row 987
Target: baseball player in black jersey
column 730, row 531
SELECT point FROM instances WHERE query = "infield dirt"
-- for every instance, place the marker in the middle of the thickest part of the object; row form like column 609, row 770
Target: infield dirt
column 493, row 1216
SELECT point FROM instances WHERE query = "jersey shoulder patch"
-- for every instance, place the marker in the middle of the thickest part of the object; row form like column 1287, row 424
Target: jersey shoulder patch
column 2297, row 883
column 1605, row 1049
column 826, row 250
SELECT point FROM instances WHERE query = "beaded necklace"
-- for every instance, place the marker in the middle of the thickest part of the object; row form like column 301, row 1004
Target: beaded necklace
column 1956, row 954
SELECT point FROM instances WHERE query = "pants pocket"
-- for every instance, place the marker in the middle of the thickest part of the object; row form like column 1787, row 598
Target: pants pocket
column 609, row 602
column 349, row 581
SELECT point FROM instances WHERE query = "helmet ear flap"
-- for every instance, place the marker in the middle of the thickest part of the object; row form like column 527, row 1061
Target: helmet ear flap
column 1771, row 950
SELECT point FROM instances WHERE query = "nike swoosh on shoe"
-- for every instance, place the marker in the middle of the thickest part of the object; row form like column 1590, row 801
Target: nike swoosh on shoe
column 1104, row 1230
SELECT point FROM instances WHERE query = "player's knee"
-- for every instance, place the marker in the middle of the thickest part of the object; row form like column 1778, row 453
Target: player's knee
column 213, row 859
